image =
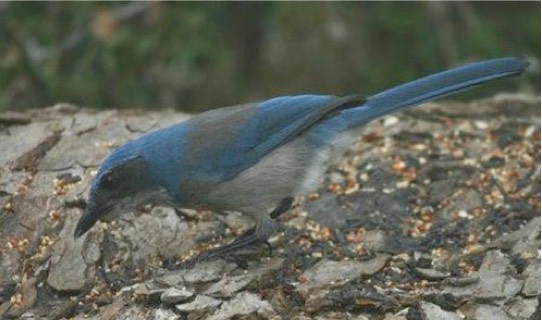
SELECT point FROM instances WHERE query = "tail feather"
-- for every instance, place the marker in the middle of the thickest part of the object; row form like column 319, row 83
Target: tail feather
column 440, row 84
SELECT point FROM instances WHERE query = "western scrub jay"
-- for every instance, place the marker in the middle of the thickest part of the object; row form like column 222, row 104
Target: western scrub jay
column 253, row 158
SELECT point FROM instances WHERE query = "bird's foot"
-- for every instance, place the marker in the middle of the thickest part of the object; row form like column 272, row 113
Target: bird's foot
column 250, row 238
column 284, row 205
column 227, row 252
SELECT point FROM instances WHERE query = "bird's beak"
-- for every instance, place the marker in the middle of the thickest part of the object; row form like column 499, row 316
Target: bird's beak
column 87, row 220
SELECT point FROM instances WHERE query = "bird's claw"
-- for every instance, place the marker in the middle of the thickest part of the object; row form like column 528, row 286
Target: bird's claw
column 247, row 239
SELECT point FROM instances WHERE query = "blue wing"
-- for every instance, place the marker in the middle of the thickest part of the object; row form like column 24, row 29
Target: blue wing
column 278, row 120
column 266, row 125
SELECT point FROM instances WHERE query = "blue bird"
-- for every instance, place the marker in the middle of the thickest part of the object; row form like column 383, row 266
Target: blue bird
column 254, row 158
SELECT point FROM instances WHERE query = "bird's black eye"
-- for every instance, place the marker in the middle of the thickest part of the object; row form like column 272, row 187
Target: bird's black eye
column 108, row 180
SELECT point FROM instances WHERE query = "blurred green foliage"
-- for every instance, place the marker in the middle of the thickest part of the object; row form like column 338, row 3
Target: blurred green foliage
column 197, row 55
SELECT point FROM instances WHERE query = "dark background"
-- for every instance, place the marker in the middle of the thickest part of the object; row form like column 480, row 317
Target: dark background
column 195, row 56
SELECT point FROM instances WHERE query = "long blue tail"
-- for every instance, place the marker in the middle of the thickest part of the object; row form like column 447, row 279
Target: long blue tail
column 439, row 85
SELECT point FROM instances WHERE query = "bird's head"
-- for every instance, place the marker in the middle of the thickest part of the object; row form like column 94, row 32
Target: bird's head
column 123, row 182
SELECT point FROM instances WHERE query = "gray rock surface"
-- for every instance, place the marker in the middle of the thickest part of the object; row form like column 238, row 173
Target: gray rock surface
column 328, row 273
column 496, row 280
column 490, row 312
column 165, row 314
column 430, row 311
column 433, row 214
column 228, row 286
column 523, row 309
column 531, row 288
column 201, row 308
column 174, row 295
column 199, row 303
column 68, row 269
column 245, row 303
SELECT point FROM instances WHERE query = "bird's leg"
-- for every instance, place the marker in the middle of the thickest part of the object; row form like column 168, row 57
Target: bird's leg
column 284, row 205
column 264, row 228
